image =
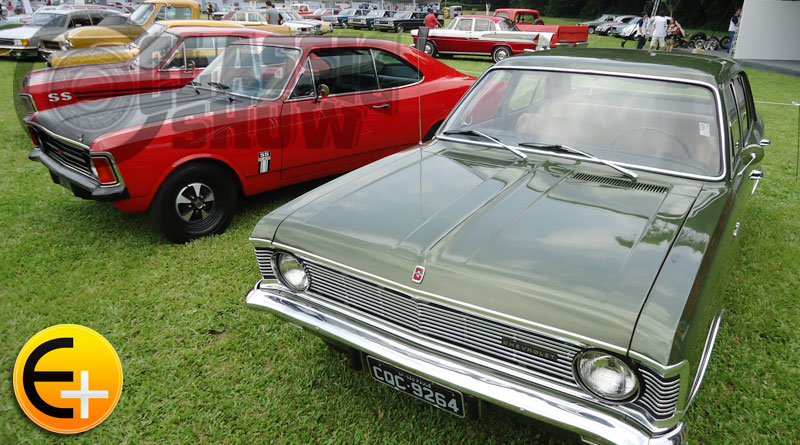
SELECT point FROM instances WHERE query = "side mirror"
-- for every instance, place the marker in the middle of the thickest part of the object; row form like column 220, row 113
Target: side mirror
column 752, row 154
column 190, row 66
column 322, row 92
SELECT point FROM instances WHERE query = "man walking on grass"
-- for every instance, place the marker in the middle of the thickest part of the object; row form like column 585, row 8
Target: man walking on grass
column 659, row 33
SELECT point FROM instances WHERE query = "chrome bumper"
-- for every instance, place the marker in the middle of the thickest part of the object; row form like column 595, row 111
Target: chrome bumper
column 594, row 426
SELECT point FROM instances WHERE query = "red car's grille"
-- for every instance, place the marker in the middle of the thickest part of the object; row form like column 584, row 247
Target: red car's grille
column 67, row 155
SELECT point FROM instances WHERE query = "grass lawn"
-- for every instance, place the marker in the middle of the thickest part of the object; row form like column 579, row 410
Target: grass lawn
column 199, row 367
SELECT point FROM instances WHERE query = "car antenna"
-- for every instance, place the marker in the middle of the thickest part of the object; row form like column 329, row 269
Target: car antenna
column 419, row 99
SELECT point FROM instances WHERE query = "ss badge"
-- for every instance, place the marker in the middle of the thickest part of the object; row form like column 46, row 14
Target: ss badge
column 263, row 161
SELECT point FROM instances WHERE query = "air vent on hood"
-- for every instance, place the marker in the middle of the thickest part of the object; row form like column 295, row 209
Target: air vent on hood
column 477, row 159
column 617, row 182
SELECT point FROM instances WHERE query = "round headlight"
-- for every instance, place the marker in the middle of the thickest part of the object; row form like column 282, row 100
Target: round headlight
column 290, row 271
column 606, row 376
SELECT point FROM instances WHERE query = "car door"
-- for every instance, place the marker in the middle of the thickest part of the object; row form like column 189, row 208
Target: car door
column 746, row 149
column 455, row 38
column 481, row 27
column 326, row 135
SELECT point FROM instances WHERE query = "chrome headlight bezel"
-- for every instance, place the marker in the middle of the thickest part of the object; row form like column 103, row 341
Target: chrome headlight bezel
column 282, row 259
column 579, row 367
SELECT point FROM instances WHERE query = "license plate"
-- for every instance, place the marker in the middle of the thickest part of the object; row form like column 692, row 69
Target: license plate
column 430, row 392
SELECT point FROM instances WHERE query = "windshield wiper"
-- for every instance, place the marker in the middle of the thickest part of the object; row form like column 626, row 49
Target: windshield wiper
column 221, row 86
column 486, row 136
column 572, row 150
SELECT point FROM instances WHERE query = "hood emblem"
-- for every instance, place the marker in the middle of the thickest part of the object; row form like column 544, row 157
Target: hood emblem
column 80, row 139
column 418, row 275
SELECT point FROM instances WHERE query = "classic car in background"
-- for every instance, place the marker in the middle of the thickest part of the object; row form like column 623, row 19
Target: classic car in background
column 322, row 12
column 483, row 35
column 48, row 22
column 340, row 19
column 120, row 34
column 402, row 21
column 530, row 20
column 607, row 28
column 106, row 54
column 317, row 26
column 368, row 21
column 10, row 22
column 258, row 20
column 577, row 277
column 169, row 60
column 267, row 113
column 592, row 24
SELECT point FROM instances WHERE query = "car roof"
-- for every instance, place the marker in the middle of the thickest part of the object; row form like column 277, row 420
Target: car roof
column 488, row 17
column 217, row 30
column 322, row 42
column 199, row 23
column 173, row 2
column 695, row 67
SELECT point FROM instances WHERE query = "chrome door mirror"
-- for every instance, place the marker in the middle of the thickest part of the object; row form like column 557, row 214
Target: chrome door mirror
column 322, row 92
column 752, row 154
column 190, row 66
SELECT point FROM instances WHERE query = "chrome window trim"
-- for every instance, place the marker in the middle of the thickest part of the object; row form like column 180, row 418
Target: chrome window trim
column 708, row 349
column 714, row 89
column 167, row 60
column 306, row 64
column 576, row 392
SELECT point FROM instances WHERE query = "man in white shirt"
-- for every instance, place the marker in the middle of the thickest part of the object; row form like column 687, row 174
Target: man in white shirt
column 659, row 32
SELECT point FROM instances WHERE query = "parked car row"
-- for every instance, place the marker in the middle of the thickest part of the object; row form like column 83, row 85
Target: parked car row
column 546, row 238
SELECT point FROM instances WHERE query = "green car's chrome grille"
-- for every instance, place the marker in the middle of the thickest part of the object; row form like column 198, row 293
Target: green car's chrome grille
column 538, row 354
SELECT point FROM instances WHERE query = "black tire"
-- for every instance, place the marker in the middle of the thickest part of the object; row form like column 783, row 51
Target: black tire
column 725, row 42
column 371, row 26
column 180, row 210
column 683, row 43
column 501, row 53
column 538, row 22
column 712, row 44
column 591, row 30
column 697, row 36
column 400, row 28
column 430, row 49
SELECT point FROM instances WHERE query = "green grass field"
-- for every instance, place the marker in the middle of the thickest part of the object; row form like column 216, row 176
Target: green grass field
column 200, row 367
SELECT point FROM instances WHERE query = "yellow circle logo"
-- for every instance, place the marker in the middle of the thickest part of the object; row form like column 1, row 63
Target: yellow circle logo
column 67, row 378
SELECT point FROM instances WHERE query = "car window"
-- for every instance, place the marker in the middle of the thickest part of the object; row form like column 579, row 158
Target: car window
column 464, row 25
column 151, row 56
column 652, row 123
column 174, row 13
column 507, row 25
column 200, row 50
column 526, row 17
column 305, row 84
column 142, row 13
column 742, row 103
column 344, row 70
column 77, row 20
column 502, row 14
column 254, row 17
column 97, row 17
column 177, row 60
column 393, row 71
column 482, row 25
column 734, row 125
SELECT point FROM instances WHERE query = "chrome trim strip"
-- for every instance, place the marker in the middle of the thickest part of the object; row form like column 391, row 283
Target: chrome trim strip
column 64, row 139
column 712, row 87
column 706, row 357
column 587, row 418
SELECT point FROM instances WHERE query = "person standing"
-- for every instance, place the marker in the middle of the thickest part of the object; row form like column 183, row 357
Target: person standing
column 210, row 10
column 673, row 32
column 658, row 40
column 431, row 21
column 273, row 16
column 733, row 27
column 641, row 31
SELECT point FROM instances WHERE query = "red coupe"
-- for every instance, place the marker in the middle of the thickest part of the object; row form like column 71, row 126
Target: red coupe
column 267, row 113
column 168, row 60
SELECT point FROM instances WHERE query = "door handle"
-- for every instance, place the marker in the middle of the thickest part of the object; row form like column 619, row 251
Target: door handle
column 381, row 107
column 757, row 176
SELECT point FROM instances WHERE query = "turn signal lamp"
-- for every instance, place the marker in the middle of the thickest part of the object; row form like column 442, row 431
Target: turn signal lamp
column 103, row 171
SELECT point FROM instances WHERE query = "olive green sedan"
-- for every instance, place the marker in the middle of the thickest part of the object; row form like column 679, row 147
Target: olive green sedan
column 559, row 249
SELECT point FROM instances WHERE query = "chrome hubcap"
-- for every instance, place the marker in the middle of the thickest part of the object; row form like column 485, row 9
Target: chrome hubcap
column 194, row 202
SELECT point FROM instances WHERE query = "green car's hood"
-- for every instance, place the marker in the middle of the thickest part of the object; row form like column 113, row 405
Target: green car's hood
column 530, row 241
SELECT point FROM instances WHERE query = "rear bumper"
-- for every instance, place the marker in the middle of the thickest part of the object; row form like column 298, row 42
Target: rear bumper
column 80, row 185
column 593, row 425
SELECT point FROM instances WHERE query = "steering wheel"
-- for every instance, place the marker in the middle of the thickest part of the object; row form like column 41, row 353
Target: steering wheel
column 682, row 144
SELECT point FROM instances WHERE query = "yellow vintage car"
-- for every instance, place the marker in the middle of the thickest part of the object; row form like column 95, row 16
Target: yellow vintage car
column 117, row 34
column 125, row 52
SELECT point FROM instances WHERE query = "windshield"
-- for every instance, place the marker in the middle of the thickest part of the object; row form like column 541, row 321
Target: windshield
column 347, row 12
column 113, row 20
column 403, row 15
column 147, row 37
column 636, row 122
column 251, row 70
column 375, row 13
column 48, row 20
column 151, row 55
column 291, row 16
column 142, row 13
column 507, row 25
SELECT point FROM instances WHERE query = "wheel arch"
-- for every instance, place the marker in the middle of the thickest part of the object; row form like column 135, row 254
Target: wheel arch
column 216, row 161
